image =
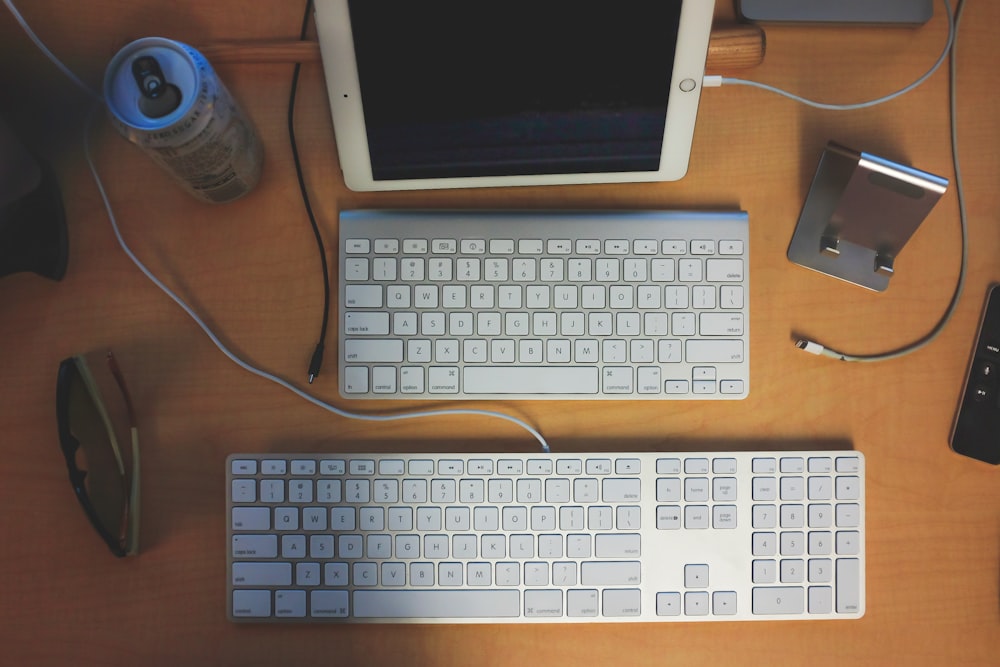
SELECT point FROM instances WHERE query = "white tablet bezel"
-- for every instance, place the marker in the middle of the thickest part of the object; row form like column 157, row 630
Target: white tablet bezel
column 333, row 26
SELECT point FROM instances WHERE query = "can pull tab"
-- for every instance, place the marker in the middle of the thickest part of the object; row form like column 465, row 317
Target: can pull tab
column 159, row 97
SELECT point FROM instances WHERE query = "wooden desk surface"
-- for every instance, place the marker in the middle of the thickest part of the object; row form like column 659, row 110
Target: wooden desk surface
column 251, row 269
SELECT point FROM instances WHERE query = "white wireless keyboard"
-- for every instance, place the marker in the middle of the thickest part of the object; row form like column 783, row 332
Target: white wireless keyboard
column 504, row 538
column 477, row 305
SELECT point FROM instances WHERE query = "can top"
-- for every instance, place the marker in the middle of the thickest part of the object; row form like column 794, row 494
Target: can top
column 122, row 93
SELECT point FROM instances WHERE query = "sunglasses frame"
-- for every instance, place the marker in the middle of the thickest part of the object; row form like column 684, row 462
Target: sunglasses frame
column 126, row 542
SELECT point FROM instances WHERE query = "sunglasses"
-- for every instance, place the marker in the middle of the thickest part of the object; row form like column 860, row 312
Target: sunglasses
column 105, row 477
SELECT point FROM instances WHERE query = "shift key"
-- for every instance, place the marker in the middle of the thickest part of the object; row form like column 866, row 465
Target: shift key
column 262, row 574
column 373, row 350
column 610, row 573
column 714, row 352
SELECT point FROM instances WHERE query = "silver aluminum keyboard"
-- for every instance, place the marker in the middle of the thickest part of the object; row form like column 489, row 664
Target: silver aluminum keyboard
column 504, row 538
column 481, row 305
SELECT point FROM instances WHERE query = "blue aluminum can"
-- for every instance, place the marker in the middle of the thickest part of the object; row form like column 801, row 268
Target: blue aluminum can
column 164, row 97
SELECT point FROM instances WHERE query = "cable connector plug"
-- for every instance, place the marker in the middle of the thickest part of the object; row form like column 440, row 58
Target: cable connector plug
column 809, row 346
column 711, row 81
column 316, row 362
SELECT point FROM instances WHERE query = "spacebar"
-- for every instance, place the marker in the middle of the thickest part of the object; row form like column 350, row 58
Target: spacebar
column 531, row 380
column 437, row 604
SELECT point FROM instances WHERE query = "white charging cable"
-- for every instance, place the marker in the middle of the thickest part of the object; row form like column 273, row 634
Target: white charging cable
column 812, row 346
column 200, row 322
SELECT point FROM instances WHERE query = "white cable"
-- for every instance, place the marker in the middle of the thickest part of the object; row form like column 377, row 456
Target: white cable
column 816, row 348
column 51, row 56
column 952, row 28
column 198, row 320
column 253, row 369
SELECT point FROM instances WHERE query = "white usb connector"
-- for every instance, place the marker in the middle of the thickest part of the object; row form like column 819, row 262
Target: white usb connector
column 809, row 346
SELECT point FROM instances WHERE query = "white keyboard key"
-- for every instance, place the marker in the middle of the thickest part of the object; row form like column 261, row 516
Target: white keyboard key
column 262, row 574
column 386, row 246
column 582, row 603
column 820, row 600
column 357, row 246
column 290, row 604
column 437, row 604
column 848, row 586
column 721, row 324
column 239, row 467
column 251, row 518
column 244, row 491
column 731, row 296
column 617, row 380
column 677, row 386
column 696, row 603
column 764, row 571
column 714, row 351
column 848, row 488
column 696, row 576
column 356, row 269
column 724, row 603
column 702, row 247
column 515, row 380
column 610, row 573
column 617, row 546
column 255, row 546
column 443, row 380
column 731, row 386
column 543, row 604
column 668, row 604
column 252, row 603
column 363, row 296
column 724, row 270
column 415, row 246
column 375, row 350
column 329, row 604
column 728, row 247
column 848, row 515
column 621, row 602
column 444, row 246
column 366, row 324
column 778, row 600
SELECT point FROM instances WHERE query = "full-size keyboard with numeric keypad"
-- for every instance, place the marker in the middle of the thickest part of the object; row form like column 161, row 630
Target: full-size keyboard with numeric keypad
column 546, row 538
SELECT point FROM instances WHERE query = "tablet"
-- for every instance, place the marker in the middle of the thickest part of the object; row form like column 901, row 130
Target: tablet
column 452, row 93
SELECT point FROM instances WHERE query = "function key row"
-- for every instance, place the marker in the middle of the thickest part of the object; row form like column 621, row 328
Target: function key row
column 424, row 467
column 567, row 466
column 539, row 247
column 759, row 465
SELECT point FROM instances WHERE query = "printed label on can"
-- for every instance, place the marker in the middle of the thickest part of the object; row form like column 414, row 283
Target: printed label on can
column 206, row 143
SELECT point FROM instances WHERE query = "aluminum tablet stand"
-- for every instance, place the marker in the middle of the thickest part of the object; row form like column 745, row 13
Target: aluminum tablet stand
column 860, row 211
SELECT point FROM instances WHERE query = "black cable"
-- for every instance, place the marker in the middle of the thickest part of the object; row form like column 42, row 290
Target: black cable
column 316, row 362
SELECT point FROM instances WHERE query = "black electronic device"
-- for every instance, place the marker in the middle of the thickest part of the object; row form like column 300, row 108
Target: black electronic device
column 976, row 432
column 881, row 12
column 32, row 221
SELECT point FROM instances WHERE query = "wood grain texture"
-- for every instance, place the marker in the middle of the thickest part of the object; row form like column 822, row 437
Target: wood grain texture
column 251, row 269
column 731, row 47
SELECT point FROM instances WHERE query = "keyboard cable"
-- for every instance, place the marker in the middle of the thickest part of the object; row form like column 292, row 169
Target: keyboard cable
column 814, row 347
column 316, row 362
column 271, row 377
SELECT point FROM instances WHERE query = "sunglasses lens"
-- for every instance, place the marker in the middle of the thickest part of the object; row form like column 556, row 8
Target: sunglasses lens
column 97, row 456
